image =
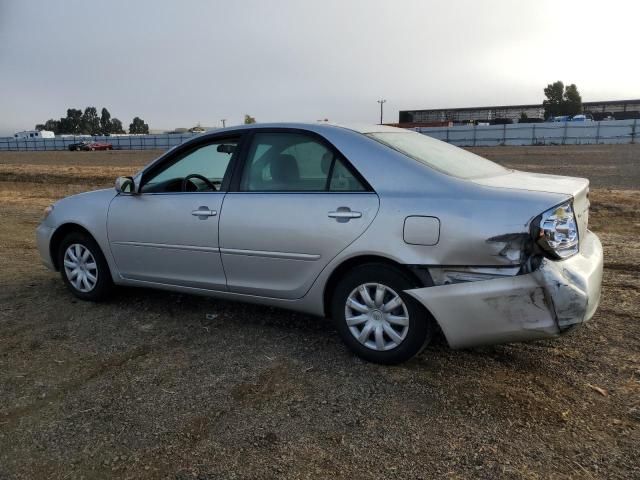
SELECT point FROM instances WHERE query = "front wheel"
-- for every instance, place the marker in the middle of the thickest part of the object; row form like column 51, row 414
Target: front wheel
column 376, row 318
column 83, row 267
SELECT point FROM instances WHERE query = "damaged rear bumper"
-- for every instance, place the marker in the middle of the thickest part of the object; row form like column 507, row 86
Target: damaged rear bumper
column 541, row 304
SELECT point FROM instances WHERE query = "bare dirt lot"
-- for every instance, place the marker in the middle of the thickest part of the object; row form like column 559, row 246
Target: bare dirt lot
column 145, row 386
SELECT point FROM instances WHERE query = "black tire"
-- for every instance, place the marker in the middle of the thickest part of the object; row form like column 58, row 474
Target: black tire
column 104, row 284
column 421, row 324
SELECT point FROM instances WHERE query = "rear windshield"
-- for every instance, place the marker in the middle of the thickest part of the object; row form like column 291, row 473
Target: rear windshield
column 439, row 155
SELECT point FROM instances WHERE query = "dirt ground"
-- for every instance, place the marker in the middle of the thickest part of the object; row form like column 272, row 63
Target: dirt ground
column 161, row 385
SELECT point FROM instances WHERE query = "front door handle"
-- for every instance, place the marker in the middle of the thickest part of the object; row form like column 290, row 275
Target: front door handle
column 203, row 213
column 344, row 214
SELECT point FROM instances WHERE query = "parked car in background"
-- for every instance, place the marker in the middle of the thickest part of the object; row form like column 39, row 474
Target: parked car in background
column 99, row 146
column 574, row 118
column 582, row 118
column 391, row 233
column 74, row 147
column 90, row 146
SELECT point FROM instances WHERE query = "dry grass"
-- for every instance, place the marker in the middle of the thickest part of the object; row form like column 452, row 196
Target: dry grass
column 145, row 386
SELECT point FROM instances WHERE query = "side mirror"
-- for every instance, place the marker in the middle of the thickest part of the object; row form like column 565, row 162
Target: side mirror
column 125, row 185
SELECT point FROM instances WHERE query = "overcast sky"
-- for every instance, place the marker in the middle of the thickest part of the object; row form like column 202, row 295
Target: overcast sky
column 176, row 63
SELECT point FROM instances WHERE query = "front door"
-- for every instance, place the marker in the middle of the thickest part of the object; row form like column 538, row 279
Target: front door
column 298, row 205
column 168, row 232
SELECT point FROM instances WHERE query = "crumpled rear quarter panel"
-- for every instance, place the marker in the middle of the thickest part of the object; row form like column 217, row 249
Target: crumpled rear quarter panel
column 532, row 306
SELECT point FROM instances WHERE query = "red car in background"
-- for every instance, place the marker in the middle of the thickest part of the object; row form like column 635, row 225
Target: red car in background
column 98, row 146
column 90, row 146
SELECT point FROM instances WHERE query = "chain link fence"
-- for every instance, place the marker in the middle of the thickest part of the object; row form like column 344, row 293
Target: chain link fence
column 560, row 133
column 565, row 133
column 124, row 142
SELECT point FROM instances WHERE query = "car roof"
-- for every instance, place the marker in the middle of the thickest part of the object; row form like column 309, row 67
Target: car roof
column 362, row 128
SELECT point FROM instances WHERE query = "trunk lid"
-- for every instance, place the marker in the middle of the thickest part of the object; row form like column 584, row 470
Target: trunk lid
column 575, row 187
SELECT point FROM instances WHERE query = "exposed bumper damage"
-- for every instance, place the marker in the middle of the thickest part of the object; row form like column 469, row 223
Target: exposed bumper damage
column 550, row 300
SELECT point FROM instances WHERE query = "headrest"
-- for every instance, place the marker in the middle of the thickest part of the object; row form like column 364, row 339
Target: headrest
column 284, row 168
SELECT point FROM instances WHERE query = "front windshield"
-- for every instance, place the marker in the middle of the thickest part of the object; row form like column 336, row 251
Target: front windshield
column 439, row 155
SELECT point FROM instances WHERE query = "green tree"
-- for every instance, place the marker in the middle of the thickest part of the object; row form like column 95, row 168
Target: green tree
column 76, row 122
column 572, row 100
column 116, row 126
column 553, row 104
column 524, row 117
column 105, row 122
column 50, row 125
column 138, row 126
column 248, row 119
column 561, row 100
column 71, row 124
column 90, row 123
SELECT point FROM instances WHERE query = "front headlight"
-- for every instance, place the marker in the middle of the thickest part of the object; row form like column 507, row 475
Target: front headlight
column 557, row 231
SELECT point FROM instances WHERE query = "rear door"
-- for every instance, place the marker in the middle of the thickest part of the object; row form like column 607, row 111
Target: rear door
column 296, row 205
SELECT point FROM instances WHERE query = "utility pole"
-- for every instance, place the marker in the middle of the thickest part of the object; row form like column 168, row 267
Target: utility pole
column 224, row 122
column 382, row 101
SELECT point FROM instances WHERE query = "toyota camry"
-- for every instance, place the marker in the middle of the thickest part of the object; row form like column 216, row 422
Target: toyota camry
column 391, row 233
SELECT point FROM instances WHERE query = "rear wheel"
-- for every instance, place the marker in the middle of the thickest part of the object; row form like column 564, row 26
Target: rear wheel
column 83, row 267
column 376, row 319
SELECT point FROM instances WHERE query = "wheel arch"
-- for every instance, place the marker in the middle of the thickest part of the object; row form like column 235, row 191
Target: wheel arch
column 418, row 278
column 59, row 234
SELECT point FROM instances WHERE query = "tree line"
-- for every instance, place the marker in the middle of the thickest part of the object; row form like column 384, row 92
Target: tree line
column 561, row 100
column 88, row 122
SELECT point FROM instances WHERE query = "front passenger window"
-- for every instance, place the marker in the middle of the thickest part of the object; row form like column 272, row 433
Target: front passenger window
column 199, row 170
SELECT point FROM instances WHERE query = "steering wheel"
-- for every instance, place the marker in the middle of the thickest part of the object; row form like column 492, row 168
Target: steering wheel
column 186, row 179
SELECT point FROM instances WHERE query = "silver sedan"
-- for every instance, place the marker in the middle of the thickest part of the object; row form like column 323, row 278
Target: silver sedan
column 391, row 233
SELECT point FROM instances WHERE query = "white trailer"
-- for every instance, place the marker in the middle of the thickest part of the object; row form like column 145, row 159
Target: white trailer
column 34, row 134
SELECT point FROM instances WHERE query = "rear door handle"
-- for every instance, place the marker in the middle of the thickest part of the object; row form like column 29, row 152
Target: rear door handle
column 203, row 212
column 344, row 213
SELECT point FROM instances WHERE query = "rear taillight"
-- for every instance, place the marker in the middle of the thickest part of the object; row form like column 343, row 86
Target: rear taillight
column 556, row 231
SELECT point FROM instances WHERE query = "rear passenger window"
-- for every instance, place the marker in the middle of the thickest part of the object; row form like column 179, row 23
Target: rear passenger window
column 342, row 180
column 293, row 162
